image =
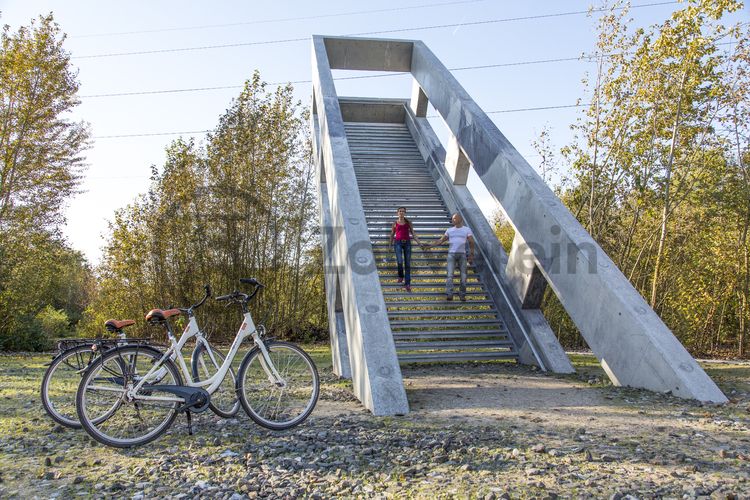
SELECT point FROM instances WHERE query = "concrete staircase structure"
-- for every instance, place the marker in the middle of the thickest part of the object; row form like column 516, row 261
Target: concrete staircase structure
column 426, row 327
column 374, row 155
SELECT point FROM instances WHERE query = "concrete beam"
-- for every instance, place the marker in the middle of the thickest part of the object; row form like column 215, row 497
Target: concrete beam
column 632, row 343
column 361, row 109
column 524, row 275
column 336, row 324
column 376, row 374
column 418, row 100
column 336, row 321
column 456, row 162
column 368, row 54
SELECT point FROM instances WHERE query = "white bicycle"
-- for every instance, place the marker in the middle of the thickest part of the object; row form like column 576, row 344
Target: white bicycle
column 63, row 375
column 141, row 390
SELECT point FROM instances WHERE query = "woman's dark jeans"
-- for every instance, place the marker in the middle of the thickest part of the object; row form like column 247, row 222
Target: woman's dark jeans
column 403, row 259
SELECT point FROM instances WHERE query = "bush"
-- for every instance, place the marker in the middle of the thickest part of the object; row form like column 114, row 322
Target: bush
column 54, row 322
column 28, row 334
column 36, row 332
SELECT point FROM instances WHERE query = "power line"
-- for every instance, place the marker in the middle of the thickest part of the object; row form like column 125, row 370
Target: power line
column 514, row 110
column 509, row 19
column 518, row 110
column 153, row 134
column 381, row 32
column 541, row 108
column 278, row 20
column 382, row 75
column 296, row 82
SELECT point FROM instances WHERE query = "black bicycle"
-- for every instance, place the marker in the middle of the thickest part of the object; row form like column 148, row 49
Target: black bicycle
column 73, row 356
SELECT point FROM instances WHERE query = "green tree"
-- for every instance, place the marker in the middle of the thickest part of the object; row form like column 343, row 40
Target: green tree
column 659, row 168
column 240, row 205
column 43, row 283
column 41, row 149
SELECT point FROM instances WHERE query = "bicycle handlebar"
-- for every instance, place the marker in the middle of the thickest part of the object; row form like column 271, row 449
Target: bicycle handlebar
column 251, row 281
column 242, row 297
column 230, row 296
column 207, row 289
column 189, row 310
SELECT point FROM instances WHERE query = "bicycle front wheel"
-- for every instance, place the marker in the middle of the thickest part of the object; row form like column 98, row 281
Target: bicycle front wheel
column 278, row 402
column 131, row 420
column 60, row 383
column 224, row 400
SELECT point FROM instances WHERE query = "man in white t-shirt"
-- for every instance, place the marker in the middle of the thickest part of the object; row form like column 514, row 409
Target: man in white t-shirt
column 457, row 236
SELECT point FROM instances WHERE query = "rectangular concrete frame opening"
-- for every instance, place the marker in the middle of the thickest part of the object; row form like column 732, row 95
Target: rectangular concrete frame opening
column 625, row 334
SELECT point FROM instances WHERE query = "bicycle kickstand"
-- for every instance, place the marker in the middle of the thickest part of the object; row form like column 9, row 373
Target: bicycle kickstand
column 189, row 416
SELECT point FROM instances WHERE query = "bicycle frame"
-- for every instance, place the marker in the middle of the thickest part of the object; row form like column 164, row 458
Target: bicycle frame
column 247, row 329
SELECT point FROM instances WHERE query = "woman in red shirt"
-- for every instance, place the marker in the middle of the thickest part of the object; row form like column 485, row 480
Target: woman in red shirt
column 402, row 232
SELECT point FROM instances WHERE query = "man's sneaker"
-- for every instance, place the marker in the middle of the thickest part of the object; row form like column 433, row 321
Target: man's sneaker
column 463, row 298
column 408, row 288
column 401, row 280
column 449, row 297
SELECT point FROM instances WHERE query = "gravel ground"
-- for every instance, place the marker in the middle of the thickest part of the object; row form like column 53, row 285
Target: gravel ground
column 492, row 430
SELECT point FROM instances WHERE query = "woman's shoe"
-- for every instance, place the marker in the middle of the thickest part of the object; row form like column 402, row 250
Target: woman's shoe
column 408, row 288
column 401, row 280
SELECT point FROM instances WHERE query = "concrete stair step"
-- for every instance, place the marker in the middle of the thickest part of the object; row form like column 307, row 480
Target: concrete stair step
column 395, row 292
column 453, row 344
column 499, row 333
column 384, row 237
column 418, row 286
column 437, row 303
column 415, row 216
column 386, row 225
column 387, row 212
column 412, row 164
column 384, row 203
column 384, row 251
column 472, row 280
column 401, row 324
column 435, row 357
column 398, row 191
column 392, row 267
column 440, row 313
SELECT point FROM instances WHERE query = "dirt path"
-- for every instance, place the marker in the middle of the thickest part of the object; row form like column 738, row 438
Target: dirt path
column 491, row 430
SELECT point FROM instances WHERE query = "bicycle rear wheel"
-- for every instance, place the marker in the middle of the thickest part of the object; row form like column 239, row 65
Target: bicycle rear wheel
column 60, row 383
column 278, row 404
column 224, row 400
column 130, row 421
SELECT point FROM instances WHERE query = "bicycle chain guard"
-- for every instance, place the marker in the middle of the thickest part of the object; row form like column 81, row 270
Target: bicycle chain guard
column 196, row 398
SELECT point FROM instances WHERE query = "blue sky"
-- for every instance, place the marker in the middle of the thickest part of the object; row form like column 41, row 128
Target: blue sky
column 119, row 167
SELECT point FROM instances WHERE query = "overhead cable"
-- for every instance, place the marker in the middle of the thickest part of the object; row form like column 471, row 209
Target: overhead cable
column 278, row 20
column 359, row 77
column 380, row 32
column 193, row 132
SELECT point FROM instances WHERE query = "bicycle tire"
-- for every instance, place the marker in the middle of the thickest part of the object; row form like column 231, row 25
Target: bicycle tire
column 124, row 362
column 219, row 405
column 256, row 391
column 58, row 395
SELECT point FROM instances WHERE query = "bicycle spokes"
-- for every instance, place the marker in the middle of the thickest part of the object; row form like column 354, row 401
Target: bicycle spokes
column 114, row 411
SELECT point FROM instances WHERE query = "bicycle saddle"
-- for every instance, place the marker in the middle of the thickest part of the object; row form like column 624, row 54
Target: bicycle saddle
column 114, row 324
column 161, row 314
